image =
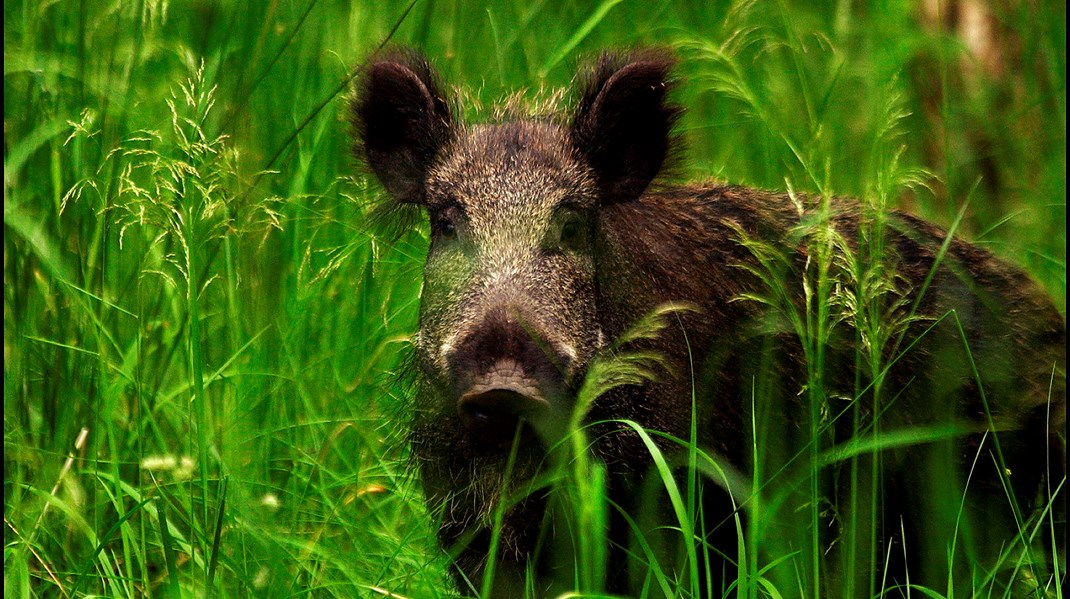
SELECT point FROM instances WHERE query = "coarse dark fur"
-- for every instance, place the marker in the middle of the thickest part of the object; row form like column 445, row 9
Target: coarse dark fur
column 549, row 241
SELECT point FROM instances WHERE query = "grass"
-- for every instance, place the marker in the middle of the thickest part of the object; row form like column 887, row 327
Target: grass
column 201, row 324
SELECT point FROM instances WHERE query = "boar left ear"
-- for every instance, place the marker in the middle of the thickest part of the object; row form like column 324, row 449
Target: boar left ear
column 623, row 122
column 402, row 121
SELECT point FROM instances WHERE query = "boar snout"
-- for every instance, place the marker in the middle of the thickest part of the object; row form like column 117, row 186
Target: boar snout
column 506, row 372
column 491, row 411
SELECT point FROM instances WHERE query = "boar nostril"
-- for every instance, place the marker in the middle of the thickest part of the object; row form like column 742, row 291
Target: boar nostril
column 492, row 415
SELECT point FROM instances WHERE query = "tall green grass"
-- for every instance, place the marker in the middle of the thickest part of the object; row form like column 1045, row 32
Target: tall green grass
column 202, row 326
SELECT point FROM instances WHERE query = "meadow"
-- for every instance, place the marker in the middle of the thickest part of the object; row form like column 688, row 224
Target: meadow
column 203, row 326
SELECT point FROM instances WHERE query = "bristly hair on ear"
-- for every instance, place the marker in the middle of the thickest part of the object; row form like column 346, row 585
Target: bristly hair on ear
column 624, row 120
column 401, row 120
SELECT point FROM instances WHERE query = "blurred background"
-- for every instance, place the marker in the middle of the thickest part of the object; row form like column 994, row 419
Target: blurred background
column 203, row 330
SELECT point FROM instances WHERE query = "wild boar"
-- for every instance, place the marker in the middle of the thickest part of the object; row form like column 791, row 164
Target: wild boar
column 550, row 237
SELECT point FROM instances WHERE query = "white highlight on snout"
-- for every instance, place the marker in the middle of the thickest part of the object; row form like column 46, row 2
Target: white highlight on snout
column 445, row 350
column 440, row 356
column 568, row 350
column 500, row 275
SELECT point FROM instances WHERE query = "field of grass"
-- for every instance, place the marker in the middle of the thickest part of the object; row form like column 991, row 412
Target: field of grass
column 202, row 327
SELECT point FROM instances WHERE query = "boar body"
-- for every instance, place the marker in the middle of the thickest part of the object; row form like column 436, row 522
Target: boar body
column 549, row 241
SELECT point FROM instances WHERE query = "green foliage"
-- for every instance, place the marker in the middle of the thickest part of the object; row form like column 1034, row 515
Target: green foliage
column 205, row 328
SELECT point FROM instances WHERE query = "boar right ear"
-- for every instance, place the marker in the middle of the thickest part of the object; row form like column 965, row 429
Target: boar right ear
column 623, row 123
column 402, row 121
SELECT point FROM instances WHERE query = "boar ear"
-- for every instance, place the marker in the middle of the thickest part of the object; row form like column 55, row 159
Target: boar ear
column 402, row 121
column 623, row 122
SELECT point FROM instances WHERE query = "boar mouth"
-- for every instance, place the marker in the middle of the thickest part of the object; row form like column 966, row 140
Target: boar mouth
column 493, row 407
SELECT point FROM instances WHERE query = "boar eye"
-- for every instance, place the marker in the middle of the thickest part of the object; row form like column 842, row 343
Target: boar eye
column 572, row 232
column 443, row 228
column 444, row 223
